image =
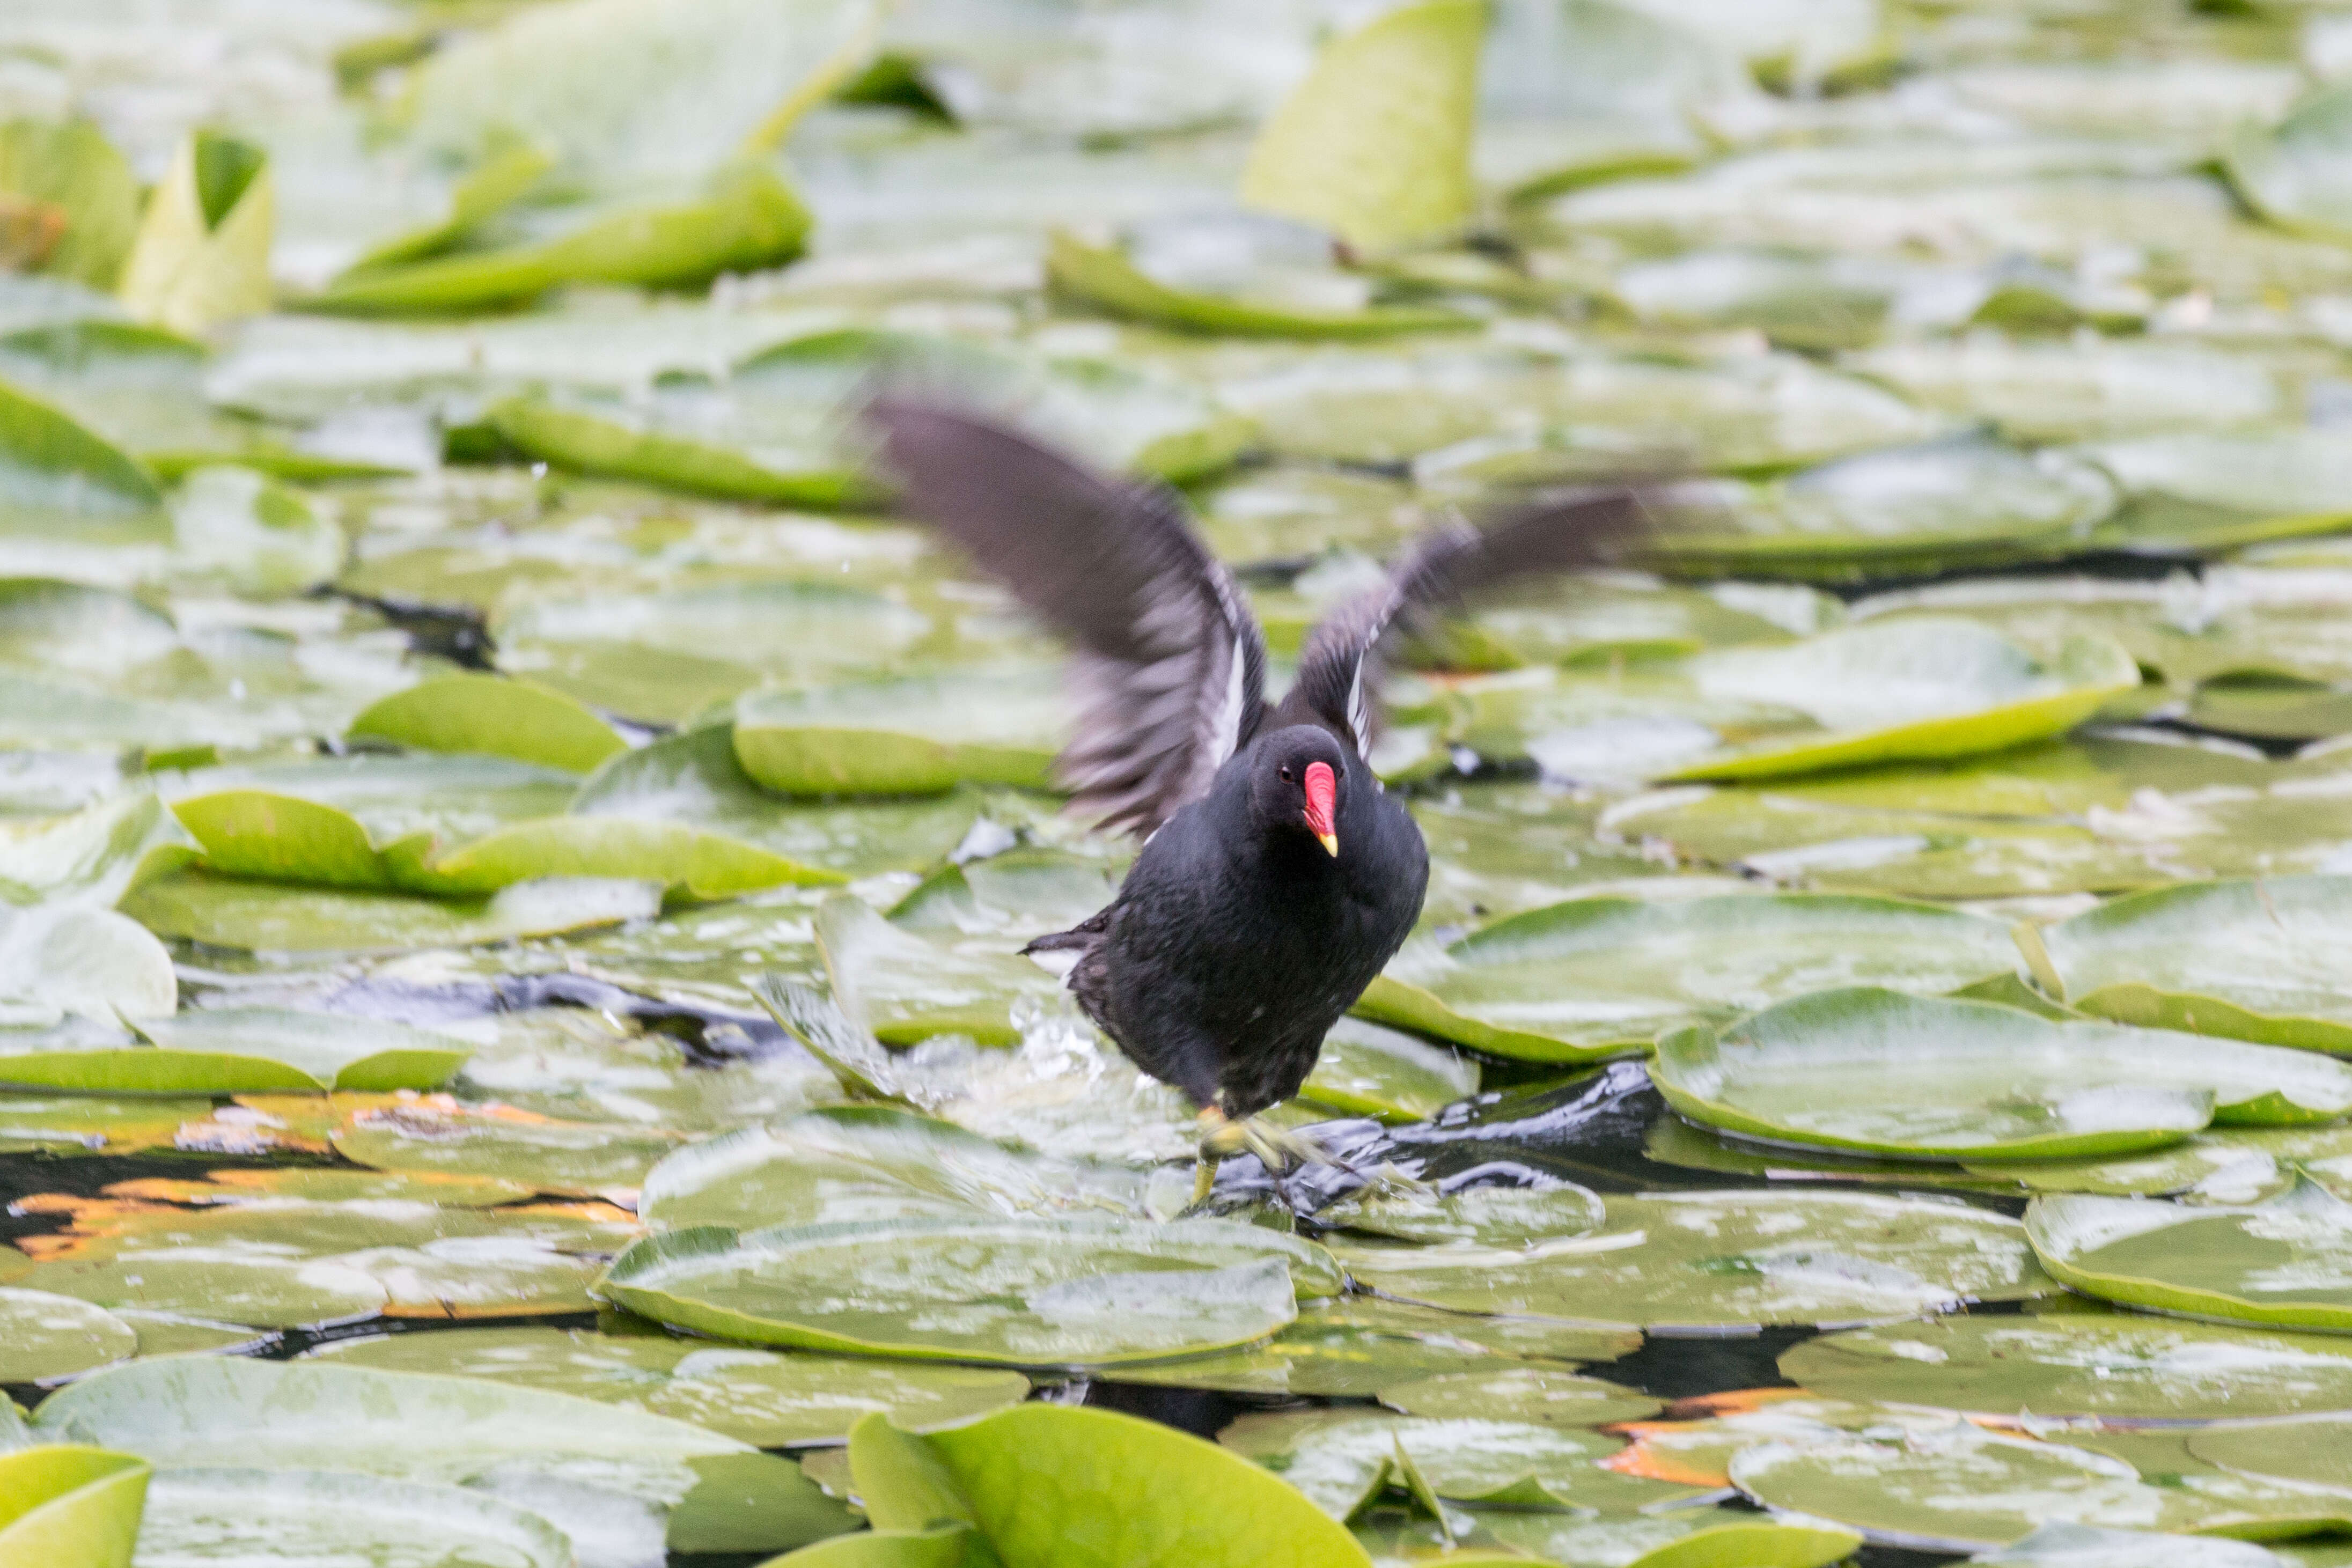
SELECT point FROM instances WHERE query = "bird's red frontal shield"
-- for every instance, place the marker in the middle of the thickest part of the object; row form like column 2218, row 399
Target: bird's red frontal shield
column 1322, row 797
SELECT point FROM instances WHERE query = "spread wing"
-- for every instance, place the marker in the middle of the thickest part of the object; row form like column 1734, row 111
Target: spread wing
column 1341, row 670
column 1168, row 663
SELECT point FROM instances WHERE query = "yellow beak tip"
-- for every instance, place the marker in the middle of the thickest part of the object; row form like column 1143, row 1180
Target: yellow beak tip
column 1331, row 842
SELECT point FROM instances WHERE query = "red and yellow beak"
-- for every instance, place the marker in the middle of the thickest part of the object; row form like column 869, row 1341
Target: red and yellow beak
column 1322, row 797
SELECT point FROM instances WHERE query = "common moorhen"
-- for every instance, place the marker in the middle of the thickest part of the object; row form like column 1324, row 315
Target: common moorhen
column 1277, row 877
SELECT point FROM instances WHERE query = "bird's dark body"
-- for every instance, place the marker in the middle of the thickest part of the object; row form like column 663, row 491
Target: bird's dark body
column 1230, row 952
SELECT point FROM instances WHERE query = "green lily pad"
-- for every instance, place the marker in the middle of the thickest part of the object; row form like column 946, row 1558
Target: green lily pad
column 2255, row 960
column 1719, row 1261
column 202, row 253
column 590, row 443
column 746, row 218
column 1108, row 279
column 256, row 916
column 1359, row 1345
column 2085, row 1546
column 2314, row 1451
column 282, row 1518
column 1960, row 1487
column 69, row 168
column 492, row 717
column 772, row 1400
column 1021, row 1293
column 1882, row 1073
column 246, row 1050
column 71, row 1503
column 1029, row 1477
column 865, row 1163
column 1387, row 1074
column 2209, row 491
column 1483, row 1216
column 1375, row 144
column 54, row 464
column 66, row 959
column 1680, row 1538
column 906, row 987
column 51, row 1337
column 610, row 1479
column 910, row 736
column 2274, row 1263
column 1600, row 976
column 2298, row 173
column 1919, row 688
column 2107, row 1364
column 2050, row 392
column 1341, row 1459
column 445, row 1137
column 1529, row 1394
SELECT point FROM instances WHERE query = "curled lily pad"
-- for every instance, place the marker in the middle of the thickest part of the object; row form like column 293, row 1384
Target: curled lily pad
column 1375, row 144
column 759, row 1397
column 58, row 1336
column 258, row 917
column 70, row 168
column 51, row 461
column 61, row 959
column 1882, row 1073
column 282, row 1518
column 485, row 714
column 614, row 1480
column 2275, row 1263
column 1107, row 278
column 201, row 254
column 2257, row 960
column 906, row 987
column 910, row 736
column 1598, row 976
column 867, row 1163
column 1921, row 688
column 2108, row 1364
column 2298, row 173
column 1723, row 1261
column 71, row 1503
column 1019, row 1293
column 2208, row 491
column 605, row 442
column 1341, row 1459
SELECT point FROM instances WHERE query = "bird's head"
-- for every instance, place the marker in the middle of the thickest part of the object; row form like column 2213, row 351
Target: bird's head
column 1295, row 785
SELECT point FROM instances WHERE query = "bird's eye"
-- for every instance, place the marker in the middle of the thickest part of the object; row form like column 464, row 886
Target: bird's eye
column 1286, row 774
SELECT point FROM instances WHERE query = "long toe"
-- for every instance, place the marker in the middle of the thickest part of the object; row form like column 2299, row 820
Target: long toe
column 1280, row 1150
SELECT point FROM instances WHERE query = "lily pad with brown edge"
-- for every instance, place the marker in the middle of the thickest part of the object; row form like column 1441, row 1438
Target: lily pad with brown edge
column 2275, row 1263
column 1024, row 1292
column 1878, row 1072
column 249, row 1051
column 2110, row 1365
column 1715, row 1262
column 1594, row 977
column 763, row 1397
column 435, row 1134
column 2255, row 960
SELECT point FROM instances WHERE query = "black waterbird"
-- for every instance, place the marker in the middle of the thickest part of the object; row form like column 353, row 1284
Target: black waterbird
column 1277, row 877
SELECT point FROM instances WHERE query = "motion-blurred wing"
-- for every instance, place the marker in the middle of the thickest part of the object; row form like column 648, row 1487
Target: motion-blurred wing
column 1169, row 666
column 1341, row 670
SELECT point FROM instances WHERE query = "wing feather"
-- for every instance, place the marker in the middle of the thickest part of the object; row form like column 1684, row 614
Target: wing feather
column 1168, row 667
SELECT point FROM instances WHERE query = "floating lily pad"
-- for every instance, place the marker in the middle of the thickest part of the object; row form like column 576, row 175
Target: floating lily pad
column 1882, row 1073
column 258, row 917
column 1599, row 977
column 2274, row 1263
column 71, row 169
column 484, row 714
column 906, row 987
column 2298, row 173
column 2085, row 1546
column 1341, row 1459
column 440, row 1136
column 1107, row 278
column 241, row 1051
column 1484, row 1216
column 1918, row 688
column 2209, row 491
column 761, row 1397
column 610, row 1479
column 911, row 737
column 1532, row 1393
column 864, row 1164
column 2257, row 960
column 71, row 1503
column 1680, row 1538
column 268, row 1518
column 50, row 1337
column 607, row 443
column 1021, row 1292
column 1725, row 1261
column 1386, row 1073
column 2106, row 1364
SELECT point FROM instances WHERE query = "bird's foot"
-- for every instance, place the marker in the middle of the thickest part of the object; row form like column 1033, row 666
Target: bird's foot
column 1278, row 1150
